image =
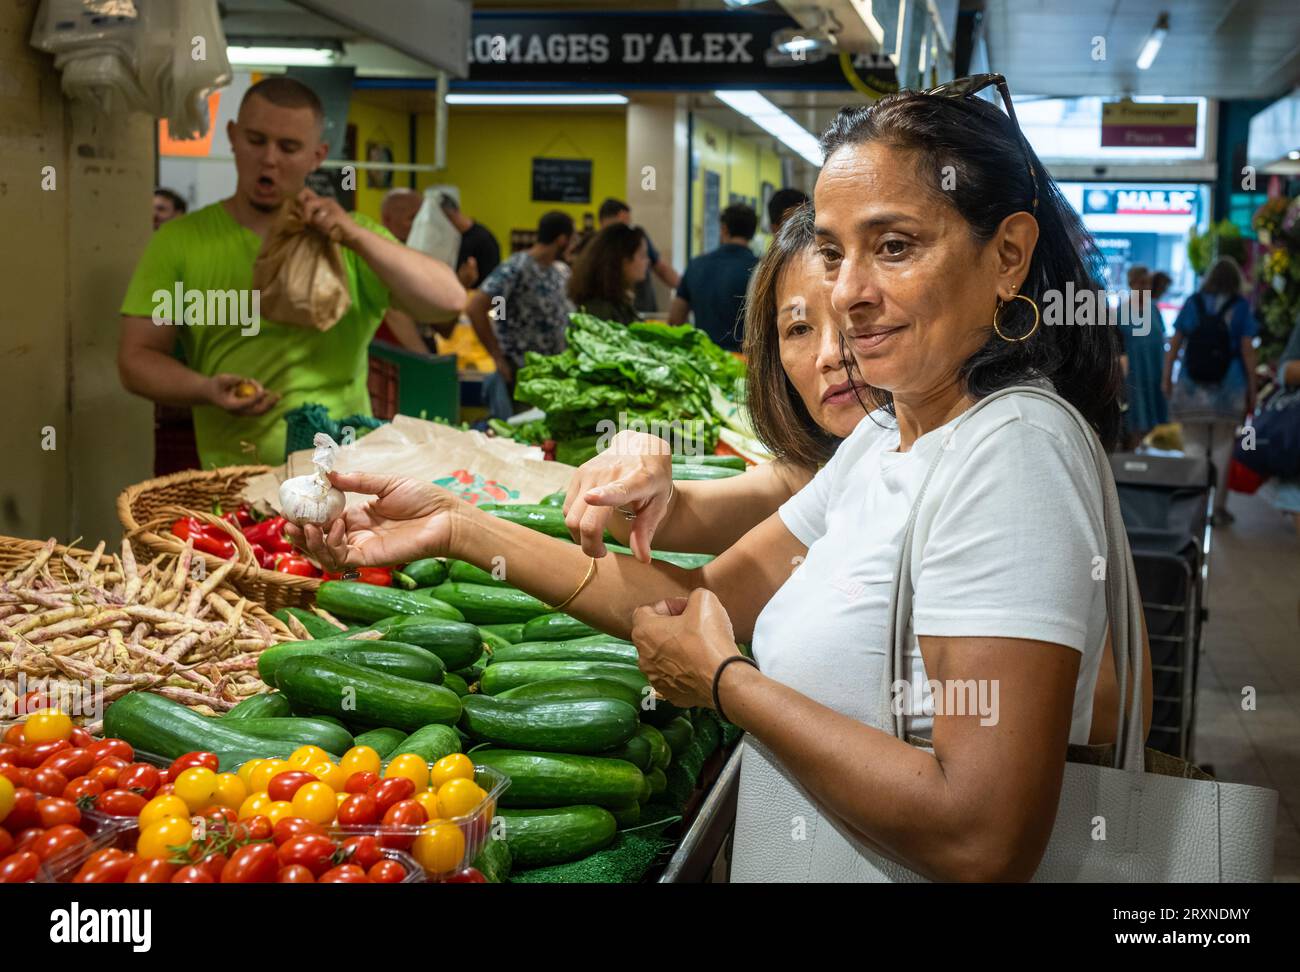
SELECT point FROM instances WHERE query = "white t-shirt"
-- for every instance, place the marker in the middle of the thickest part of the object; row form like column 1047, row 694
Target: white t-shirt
column 1006, row 545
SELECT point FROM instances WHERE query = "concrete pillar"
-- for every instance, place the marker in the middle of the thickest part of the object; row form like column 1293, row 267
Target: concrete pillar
column 658, row 178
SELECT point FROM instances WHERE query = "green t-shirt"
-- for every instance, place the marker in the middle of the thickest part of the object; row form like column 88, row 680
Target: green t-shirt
column 207, row 251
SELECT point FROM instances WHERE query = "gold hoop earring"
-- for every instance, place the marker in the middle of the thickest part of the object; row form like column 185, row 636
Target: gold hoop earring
column 1031, row 331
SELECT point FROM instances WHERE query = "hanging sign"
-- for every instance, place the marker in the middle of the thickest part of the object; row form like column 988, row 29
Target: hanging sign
column 1131, row 124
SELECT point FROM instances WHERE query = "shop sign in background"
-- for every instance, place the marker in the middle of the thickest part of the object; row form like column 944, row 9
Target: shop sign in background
column 1129, row 124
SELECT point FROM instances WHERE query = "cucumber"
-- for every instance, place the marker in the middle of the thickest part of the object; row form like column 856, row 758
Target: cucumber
column 366, row 602
column 297, row 731
column 494, row 861
column 541, row 837
column 556, row 627
column 535, row 516
column 682, row 470
column 560, row 726
column 658, row 781
column 661, row 755
column 463, row 573
column 361, row 696
column 267, row 705
column 429, row 572
column 686, row 561
column 492, row 643
column 316, row 626
column 456, row 683
column 598, row 648
column 643, row 797
column 577, row 687
column 458, row 644
column 553, row 499
column 636, row 751
column 628, row 816
column 165, row 728
column 430, row 743
column 382, row 741
column 560, row 779
column 510, row 632
column 728, row 462
column 481, row 604
column 660, row 712
column 506, row 675
column 678, row 734
column 393, row 657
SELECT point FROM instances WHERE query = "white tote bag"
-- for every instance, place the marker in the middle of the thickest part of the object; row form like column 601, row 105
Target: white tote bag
column 1148, row 818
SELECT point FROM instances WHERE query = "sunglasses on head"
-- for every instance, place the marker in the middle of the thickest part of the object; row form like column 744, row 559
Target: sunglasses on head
column 964, row 89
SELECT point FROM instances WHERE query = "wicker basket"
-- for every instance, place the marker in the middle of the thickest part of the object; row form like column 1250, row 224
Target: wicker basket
column 148, row 509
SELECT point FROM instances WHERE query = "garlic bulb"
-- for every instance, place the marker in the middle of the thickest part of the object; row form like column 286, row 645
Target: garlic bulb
column 313, row 499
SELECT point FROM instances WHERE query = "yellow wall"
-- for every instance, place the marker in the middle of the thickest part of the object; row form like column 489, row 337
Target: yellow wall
column 743, row 165
column 392, row 128
column 490, row 153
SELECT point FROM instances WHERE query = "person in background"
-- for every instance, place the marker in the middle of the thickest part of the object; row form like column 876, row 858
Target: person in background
column 1143, row 343
column 527, row 296
column 783, row 203
column 607, row 271
column 1214, row 335
column 241, row 378
column 479, row 254
column 398, row 210
column 616, row 211
column 713, row 286
column 167, row 205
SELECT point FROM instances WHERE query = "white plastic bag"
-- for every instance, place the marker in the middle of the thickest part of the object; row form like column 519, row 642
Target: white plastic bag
column 432, row 232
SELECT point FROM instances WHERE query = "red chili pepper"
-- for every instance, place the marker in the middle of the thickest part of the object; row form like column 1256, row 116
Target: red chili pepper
column 209, row 539
column 379, row 576
column 258, row 532
column 265, row 559
column 287, row 563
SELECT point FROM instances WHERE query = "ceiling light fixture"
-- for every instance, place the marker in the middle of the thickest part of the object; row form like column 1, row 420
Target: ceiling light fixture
column 1152, row 46
column 774, row 121
column 464, row 98
column 287, row 56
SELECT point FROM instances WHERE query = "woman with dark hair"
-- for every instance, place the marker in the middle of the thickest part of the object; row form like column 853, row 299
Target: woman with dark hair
column 1214, row 337
column 1143, row 342
column 934, row 220
column 607, row 271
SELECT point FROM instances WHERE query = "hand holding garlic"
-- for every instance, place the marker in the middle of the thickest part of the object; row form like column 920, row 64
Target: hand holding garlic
column 313, row 499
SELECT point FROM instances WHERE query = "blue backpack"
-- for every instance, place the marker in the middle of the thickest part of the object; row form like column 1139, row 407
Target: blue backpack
column 1209, row 351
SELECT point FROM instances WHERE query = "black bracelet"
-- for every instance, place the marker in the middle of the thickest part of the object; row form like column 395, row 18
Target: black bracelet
column 717, row 676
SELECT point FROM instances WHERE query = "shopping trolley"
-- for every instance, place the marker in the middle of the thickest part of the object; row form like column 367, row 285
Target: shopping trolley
column 1166, row 502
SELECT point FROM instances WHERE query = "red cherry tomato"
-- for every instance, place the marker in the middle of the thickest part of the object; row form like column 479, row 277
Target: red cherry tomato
column 120, row 803
column 108, row 866
column 155, row 871
column 58, row 839
column 392, row 790
column 407, row 815
column 33, row 754
column 284, row 785
column 49, row 781
column 193, row 874
column 361, row 781
column 19, row 868
column 23, row 813
column 9, row 754
column 259, row 827
column 252, row 864
column 295, row 874
column 56, row 810
column 290, row 827
column 72, row 763
column 313, row 851
column 80, row 739
column 6, row 842
column 363, row 851
column 141, row 778
column 387, row 872
column 470, row 875
column 19, row 776
column 360, row 808
column 83, row 787
column 165, row 789
column 221, row 818
column 26, row 839
column 14, row 735
column 344, row 874
column 214, row 864
column 105, row 773
column 189, row 761
column 112, row 747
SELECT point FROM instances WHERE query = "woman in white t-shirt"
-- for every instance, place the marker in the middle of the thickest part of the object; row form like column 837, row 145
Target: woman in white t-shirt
column 934, row 219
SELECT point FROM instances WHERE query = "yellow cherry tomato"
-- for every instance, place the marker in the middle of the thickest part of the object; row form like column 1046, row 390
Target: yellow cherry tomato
column 162, row 807
column 413, row 767
column 331, row 774
column 230, row 791
column 439, row 848
column 253, row 805
column 458, row 797
column 305, row 756
column 429, row 800
column 245, row 772
column 196, row 786
column 260, row 777
column 315, row 802
column 277, row 810
column 6, row 797
column 47, row 725
column 457, row 766
column 360, row 759
column 157, row 840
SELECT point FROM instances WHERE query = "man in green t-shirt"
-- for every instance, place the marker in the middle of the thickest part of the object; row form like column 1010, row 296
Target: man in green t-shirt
column 194, row 283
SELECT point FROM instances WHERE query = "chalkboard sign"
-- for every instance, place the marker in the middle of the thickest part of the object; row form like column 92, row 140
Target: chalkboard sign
column 562, row 180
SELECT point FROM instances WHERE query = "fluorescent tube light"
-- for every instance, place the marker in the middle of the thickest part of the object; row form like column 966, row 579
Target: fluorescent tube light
column 288, row 56
column 464, row 98
column 1152, row 46
column 774, row 121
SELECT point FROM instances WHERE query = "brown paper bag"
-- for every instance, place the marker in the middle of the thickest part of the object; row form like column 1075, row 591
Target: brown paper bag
column 299, row 275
